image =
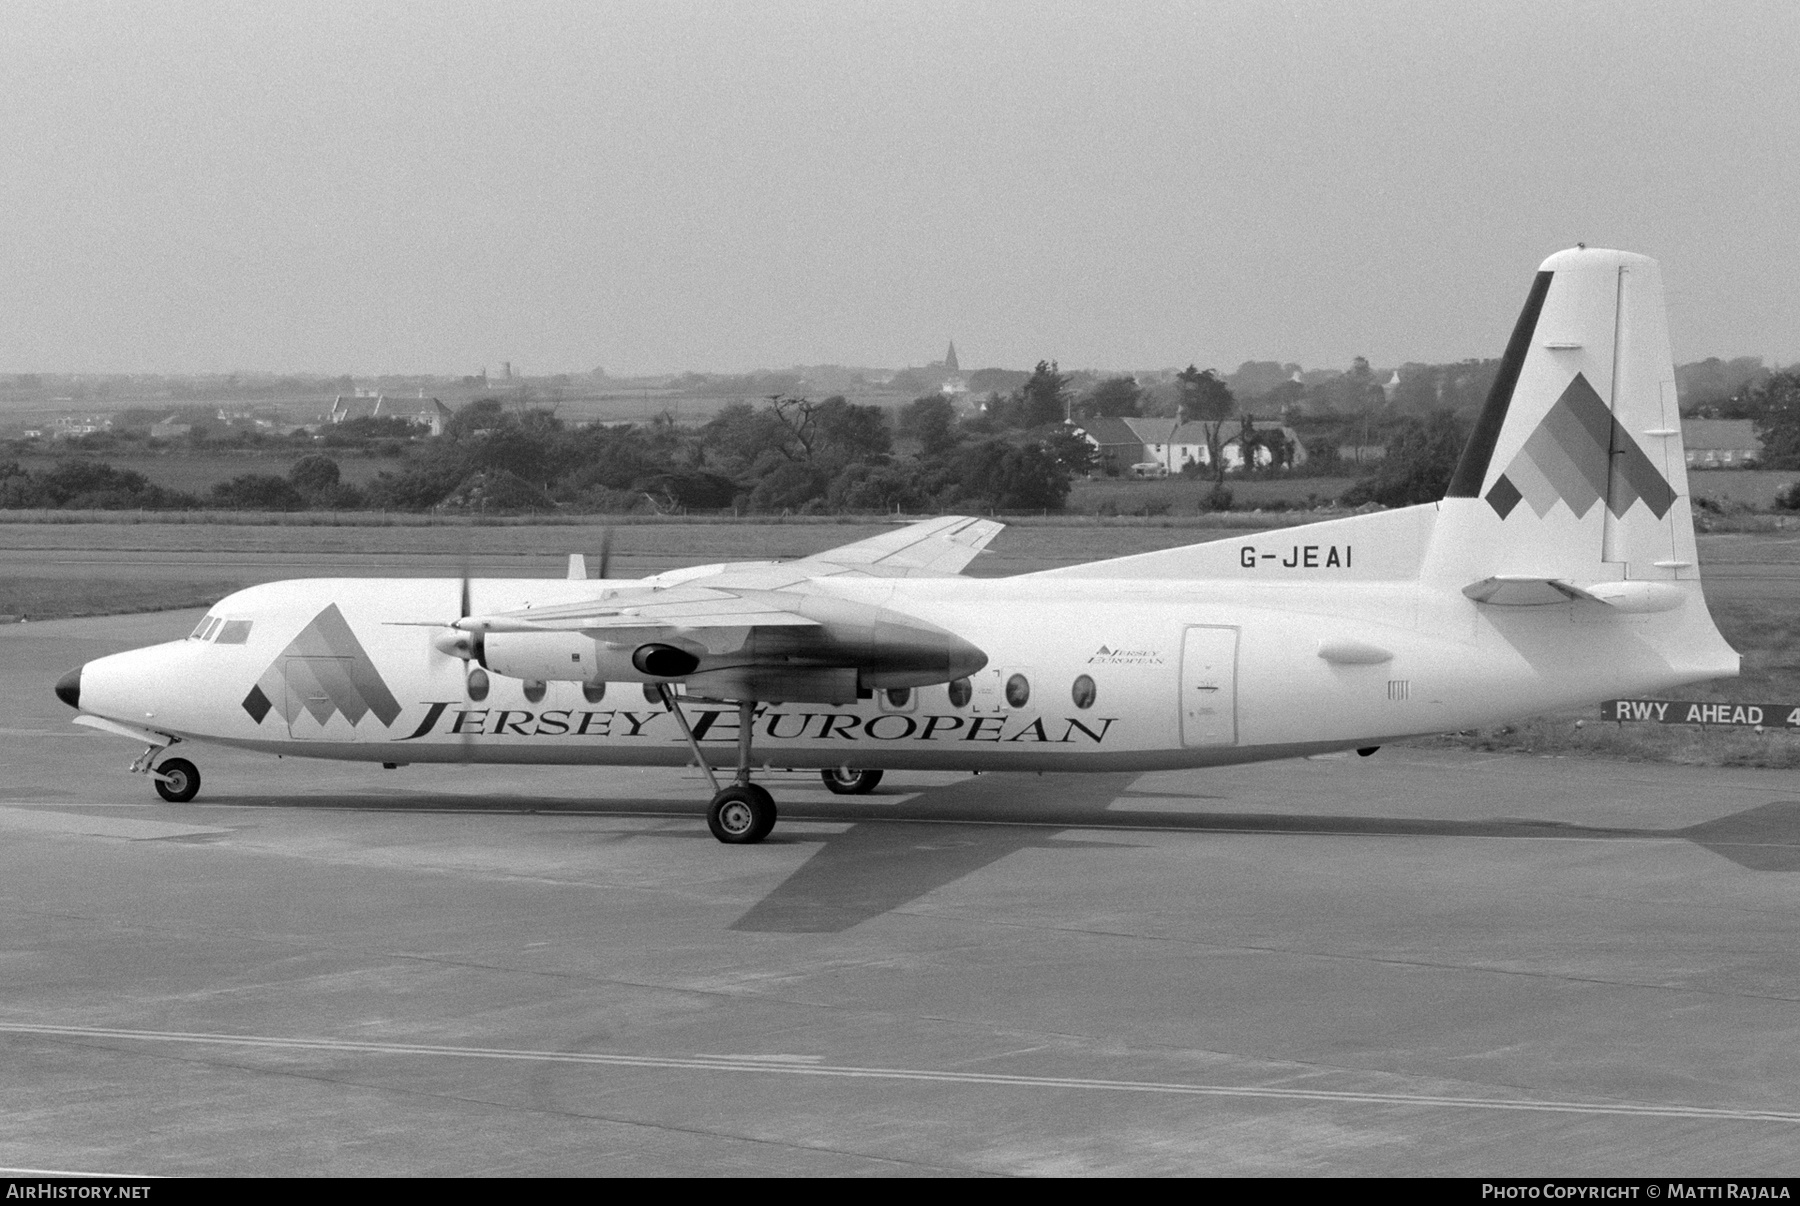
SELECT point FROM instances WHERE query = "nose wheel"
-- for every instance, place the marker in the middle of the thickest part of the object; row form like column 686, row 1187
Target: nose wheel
column 177, row 780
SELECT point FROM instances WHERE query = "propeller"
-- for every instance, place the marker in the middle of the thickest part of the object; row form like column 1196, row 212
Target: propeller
column 476, row 677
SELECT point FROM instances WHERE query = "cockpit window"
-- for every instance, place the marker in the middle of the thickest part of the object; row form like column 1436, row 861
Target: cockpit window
column 204, row 628
column 233, row 632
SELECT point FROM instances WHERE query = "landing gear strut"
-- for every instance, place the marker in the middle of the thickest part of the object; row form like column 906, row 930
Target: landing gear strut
column 742, row 813
column 177, row 780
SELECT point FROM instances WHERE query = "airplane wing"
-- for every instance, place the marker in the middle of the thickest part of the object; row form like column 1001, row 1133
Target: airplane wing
column 641, row 607
column 760, row 594
column 932, row 548
column 756, row 630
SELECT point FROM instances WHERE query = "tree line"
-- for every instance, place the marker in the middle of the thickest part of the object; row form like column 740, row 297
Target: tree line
column 1013, row 451
column 1017, row 452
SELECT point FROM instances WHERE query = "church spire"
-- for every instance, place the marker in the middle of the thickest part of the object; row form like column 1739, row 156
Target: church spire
column 950, row 357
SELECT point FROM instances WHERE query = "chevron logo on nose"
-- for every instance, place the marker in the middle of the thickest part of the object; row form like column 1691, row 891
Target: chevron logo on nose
column 322, row 671
column 1570, row 457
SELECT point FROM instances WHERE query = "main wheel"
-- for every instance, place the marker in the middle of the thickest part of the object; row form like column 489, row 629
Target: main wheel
column 741, row 814
column 181, row 781
column 845, row 781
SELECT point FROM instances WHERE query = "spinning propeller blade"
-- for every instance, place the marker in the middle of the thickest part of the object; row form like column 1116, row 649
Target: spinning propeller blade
column 465, row 607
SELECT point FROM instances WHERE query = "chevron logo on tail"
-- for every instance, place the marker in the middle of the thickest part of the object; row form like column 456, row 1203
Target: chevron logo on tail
column 1569, row 457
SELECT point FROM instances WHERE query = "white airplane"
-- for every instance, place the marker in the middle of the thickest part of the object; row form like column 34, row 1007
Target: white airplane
column 1558, row 570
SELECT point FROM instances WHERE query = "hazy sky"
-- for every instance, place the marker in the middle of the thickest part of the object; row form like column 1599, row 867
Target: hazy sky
column 375, row 187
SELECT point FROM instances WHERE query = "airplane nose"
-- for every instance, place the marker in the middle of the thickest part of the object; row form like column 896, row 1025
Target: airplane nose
column 68, row 688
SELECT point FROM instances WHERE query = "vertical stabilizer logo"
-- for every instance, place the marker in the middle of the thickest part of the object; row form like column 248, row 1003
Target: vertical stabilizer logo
column 323, row 670
column 1569, row 457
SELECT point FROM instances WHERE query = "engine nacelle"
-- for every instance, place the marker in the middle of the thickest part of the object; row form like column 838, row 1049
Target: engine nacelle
column 576, row 657
column 849, row 649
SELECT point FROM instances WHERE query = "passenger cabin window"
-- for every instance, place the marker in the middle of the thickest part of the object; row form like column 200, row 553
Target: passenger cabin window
column 899, row 697
column 233, row 632
column 1083, row 692
column 1018, row 691
column 960, row 693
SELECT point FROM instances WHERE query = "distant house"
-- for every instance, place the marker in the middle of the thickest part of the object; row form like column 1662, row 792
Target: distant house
column 424, row 412
column 1118, row 446
column 169, row 428
column 69, row 426
column 1155, row 435
column 433, row 416
column 1188, row 447
column 363, row 404
column 1720, row 443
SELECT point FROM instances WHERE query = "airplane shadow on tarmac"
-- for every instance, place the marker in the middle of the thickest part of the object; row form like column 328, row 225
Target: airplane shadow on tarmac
column 897, row 851
column 874, row 868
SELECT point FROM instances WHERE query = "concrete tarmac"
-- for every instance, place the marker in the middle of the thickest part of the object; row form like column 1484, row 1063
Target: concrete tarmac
column 1422, row 962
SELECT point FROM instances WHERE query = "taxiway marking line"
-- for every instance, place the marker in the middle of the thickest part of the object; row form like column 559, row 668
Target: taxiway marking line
column 788, row 1066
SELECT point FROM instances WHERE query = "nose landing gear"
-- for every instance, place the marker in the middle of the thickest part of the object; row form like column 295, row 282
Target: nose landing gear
column 742, row 813
column 177, row 780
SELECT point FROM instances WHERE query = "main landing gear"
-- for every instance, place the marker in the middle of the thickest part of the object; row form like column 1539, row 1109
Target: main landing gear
column 848, row 781
column 742, row 813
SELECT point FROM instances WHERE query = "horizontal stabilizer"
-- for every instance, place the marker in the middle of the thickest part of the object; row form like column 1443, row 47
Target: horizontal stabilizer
column 1514, row 590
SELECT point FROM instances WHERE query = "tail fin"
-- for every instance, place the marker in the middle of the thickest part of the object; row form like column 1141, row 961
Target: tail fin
column 1575, row 470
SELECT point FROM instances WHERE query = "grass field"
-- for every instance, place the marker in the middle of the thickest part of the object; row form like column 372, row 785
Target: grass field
column 1184, row 496
column 1177, row 496
column 56, row 598
column 1749, row 487
column 199, row 474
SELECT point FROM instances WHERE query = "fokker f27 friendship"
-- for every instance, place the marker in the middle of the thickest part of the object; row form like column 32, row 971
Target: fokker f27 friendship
column 1558, row 569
